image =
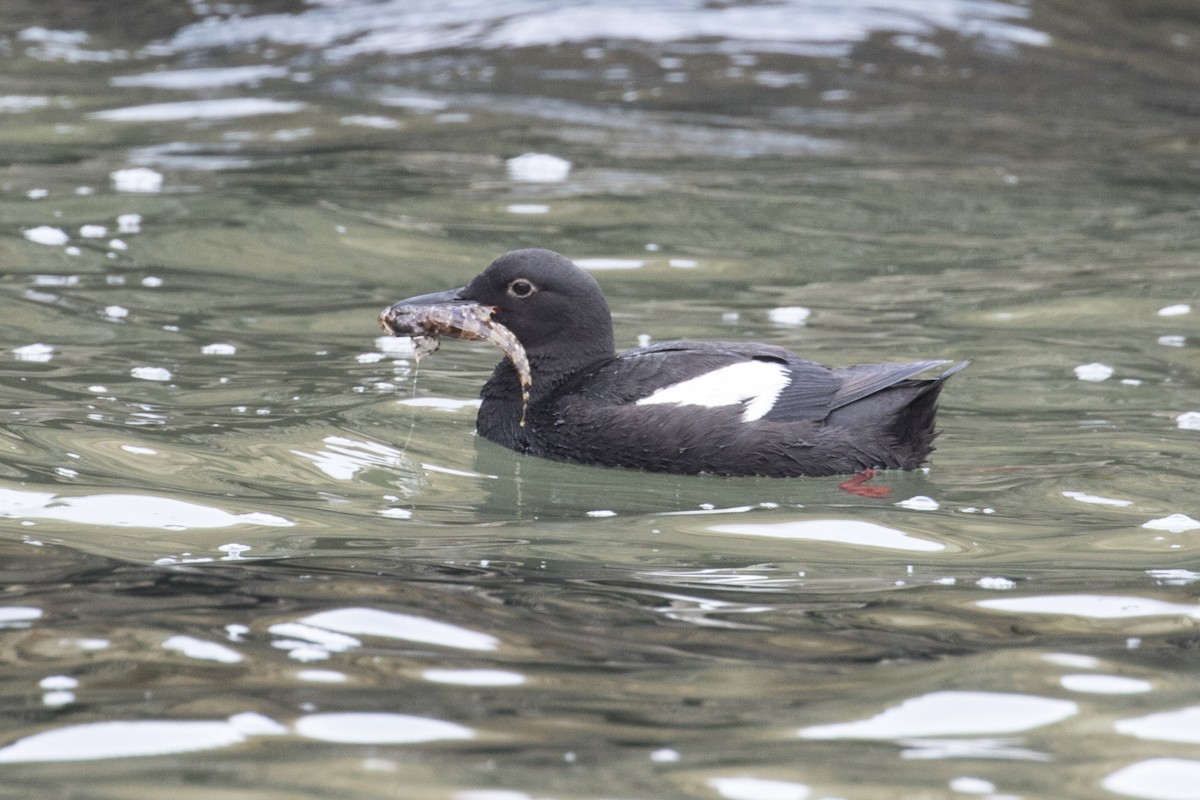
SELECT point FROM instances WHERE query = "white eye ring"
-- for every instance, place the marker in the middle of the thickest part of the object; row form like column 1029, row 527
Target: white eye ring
column 521, row 288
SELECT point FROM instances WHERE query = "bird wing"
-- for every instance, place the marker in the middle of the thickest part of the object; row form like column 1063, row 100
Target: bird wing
column 761, row 381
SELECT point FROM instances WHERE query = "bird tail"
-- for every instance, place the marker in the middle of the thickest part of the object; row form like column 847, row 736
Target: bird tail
column 913, row 426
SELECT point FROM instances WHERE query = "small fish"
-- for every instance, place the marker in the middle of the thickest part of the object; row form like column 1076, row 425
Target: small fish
column 426, row 324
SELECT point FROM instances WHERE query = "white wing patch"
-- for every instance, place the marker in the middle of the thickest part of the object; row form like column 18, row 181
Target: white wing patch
column 757, row 384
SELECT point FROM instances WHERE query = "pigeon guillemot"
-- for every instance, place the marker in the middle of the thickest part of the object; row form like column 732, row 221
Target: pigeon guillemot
column 683, row 407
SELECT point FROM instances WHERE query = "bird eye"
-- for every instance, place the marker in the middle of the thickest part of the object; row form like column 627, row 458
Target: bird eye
column 521, row 288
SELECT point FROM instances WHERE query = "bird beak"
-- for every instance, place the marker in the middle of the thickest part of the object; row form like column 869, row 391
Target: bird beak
column 434, row 299
column 450, row 296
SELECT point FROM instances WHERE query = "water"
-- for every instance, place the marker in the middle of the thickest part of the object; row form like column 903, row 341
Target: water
column 252, row 550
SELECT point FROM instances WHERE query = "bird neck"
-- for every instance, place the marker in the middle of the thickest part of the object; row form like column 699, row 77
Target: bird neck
column 504, row 411
column 547, row 372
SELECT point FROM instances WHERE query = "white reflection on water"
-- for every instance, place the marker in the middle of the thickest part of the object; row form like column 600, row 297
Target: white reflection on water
column 969, row 785
column 609, row 263
column 757, row 578
column 53, row 45
column 371, row 121
column 1090, row 606
column 844, row 531
column 322, row 676
column 698, row 610
column 124, row 739
column 1175, row 523
column 1156, row 779
column 460, row 473
column 794, row 26
column 996, row 583
column 747, row 788
column 47, row 235
column 1177, row 310
column 139, row 180
column 1094, row 372
column 51, row 682
column 126, row 511
column 328, row 641
column 1072, row 660
column 920, row 503
column 151, row 373
column 18, row 616
column 793, row 316
column 251, row 723
column 450, row 404
column 527, row 208
column 33, row 352
column 708, row 510
column 393, row 625
column 343, row 458
column 474, row 677
column 1105, row 684
column 210, row 78
column 935, row 749
column 20, row 104
column 493, row 794
column 224, row 108
column 1174, row 577
column 378, row 728
column 951, row 713
column 1169, row 726
column 189, row 155
column 121, row 739
column 1083, row 497
column 538, row 168
column 192, row 647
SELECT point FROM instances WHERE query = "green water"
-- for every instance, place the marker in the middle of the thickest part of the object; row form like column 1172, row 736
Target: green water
column 212, row 443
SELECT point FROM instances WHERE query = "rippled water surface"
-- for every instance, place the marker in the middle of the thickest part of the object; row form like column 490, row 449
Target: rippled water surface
column 252, row 549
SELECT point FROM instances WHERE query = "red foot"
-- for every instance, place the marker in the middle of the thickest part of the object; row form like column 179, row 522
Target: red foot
column 855, row 486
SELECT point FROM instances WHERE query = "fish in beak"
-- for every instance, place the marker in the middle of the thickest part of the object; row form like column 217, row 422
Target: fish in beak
column 428, row 317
